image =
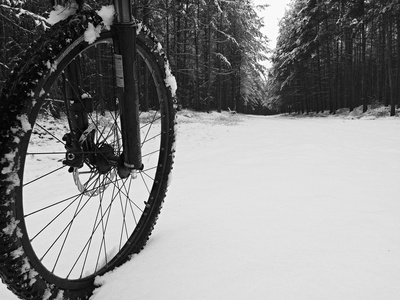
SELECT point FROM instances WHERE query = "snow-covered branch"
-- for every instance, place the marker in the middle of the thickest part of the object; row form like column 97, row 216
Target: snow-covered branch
column 39, row 20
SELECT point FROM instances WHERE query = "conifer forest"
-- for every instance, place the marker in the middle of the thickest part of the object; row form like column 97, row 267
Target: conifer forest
column 329, row 54
column 337, row 54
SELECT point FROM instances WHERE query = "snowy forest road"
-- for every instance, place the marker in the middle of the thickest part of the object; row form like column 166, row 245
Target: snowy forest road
column 273, row 208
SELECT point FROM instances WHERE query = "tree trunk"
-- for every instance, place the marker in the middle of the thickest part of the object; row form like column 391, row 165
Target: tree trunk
column 398, row 61
column 197, row 57
column 390, row 68
column 349, row 69
column 209, row 66
column 364, row 99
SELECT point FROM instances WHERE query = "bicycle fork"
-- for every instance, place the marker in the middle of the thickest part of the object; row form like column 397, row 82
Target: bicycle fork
column 78, row 141
column 125, row 57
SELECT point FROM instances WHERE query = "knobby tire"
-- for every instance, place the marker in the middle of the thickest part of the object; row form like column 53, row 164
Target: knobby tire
column 22, row 103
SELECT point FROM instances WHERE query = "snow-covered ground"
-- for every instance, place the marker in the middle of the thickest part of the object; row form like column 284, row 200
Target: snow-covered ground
column 277, row 207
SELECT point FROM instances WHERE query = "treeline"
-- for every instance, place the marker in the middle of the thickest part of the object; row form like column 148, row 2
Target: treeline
column 215, row 47
column 337, row 54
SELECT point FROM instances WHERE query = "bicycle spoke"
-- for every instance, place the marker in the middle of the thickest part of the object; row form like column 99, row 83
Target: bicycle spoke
column 145, row 171
column 85, row 246
column 59, row 236
column 44, row 175
column 92, row 234
column 90, row 243
column 45, row 153
column 123, row 210
column 148, row 129
column 147, row 187
column 44, row 129
column 80, row 196
column 59, row 202
column 58, row 215
column 67, row 234
column 151, row 122
column 146, row 140
column 147, row 175
column 117, row 126
column 150, row 153
column 103, row 230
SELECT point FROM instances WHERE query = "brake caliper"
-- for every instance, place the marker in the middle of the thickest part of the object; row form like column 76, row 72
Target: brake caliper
column 74, row 156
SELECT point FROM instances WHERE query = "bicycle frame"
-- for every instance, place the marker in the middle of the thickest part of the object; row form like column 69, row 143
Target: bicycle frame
column 125, row 58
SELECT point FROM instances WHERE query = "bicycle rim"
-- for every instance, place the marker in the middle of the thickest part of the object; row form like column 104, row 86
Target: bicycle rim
column 76, row 224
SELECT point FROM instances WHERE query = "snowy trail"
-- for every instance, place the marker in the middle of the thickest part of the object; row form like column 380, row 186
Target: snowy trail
column 273, row 208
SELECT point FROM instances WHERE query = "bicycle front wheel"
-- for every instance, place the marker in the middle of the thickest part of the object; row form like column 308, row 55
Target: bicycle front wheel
column 61, row 226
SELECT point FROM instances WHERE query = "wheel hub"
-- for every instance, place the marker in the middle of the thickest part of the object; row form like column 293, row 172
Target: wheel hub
column 105, row 159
